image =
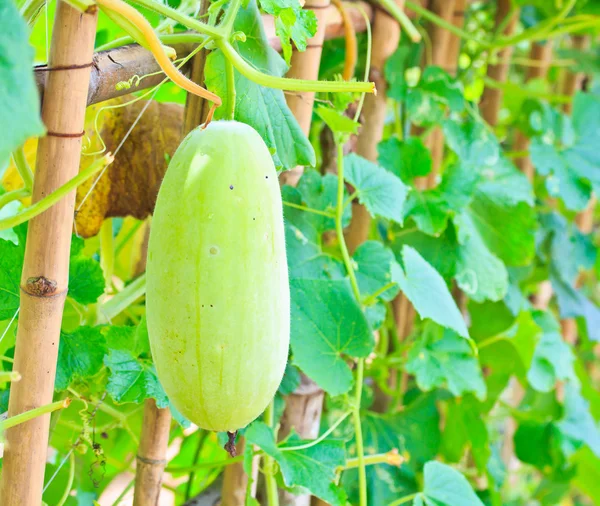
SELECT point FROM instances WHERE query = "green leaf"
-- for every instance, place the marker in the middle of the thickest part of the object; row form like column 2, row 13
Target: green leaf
column 290, row 381
column 468, row 428
column 474, row 144
column 577, row 426
column 132, row 379
column 573, row 303
column 374, row 268
column 327, row 325
column 262, row 108
column 428, row 293
column 394, row 69
column 571, row 162
column 338, row 122
column 312, row 468
column 445, row 486
column 19, row 101
column 553, row 359
column 292, row 23
column 441, row 357
column 11, row 265
column 435, row 94
column 407, row 159
column 80, row 356
column 429, row 210
column 479, row 273
column 414, row 431
column 86, row 280
column 380, row 191
column 513, row 349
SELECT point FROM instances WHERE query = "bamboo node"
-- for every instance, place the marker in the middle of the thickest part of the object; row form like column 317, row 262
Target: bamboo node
column 40, row 286
column 152, row 462
column 45, row 68
column 65, row 135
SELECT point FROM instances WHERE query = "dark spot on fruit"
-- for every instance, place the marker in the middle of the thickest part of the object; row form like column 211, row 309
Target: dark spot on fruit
column 266, row 177
column 231, row 187
column 253, row 219
column 211, row 305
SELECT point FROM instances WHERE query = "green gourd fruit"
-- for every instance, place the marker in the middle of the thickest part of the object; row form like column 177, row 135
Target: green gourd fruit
column 218, row 299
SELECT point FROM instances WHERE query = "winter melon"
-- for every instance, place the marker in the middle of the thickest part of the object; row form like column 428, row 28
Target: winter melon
column 218, row 301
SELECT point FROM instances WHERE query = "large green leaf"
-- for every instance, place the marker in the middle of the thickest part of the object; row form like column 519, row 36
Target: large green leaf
column 312, row 468
column 19, row 100
column 262, row 108
column 380, row 191
column 327, row 325
column 441, row 357
column 428, row 293
column 80, row 356
column 444, row 486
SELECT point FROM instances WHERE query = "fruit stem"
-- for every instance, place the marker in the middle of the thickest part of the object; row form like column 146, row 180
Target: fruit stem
column 269, row 470
column 284, row 83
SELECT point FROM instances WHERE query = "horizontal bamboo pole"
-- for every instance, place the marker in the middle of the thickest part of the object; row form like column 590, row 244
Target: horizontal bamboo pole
column 121, row 64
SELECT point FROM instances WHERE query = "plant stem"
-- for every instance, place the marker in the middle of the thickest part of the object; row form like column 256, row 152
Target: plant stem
column 399, row 15
column 231, row 95
column 23, row 167
column 191, row 23
column 434, row 18
column 319, row 439
column 360, row 369
column 166, row 38
column 269, row 470
column 8, row 197
column 339, row 228
column 124, row 298
column 227, row 24
column 107, row 252
column 205, row 465
column 33, row 413
column 48, row 201
column 123, row 493
column 284, row 83
column 371, row 298
column 70, row 480
column 309, row 209
column 404, row 499
column 391, row 458
column 9, row 376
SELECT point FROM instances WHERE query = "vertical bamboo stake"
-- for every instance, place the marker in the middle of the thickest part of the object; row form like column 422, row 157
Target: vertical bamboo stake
column 151, row 461
column 45, row 274
column 386, row 35
column 305, row 65
column 492, row 97
column 574, row 80
column 542, row 54
column 304, row 407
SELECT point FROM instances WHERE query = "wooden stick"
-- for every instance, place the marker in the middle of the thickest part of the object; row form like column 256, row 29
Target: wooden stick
column 386, row 35
column 543, row 54
column 303, row 408
column 151, row 457
column 305, row 65
column 574, row 80
column 45, row 274
column 492, row 97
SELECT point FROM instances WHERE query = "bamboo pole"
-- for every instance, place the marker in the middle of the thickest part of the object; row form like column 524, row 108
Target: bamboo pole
column 492, row 97
column 151, row 457
column 45, row 274
column 305, row 65
column 541, row 53
column 303, row 407
column 386, row 35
